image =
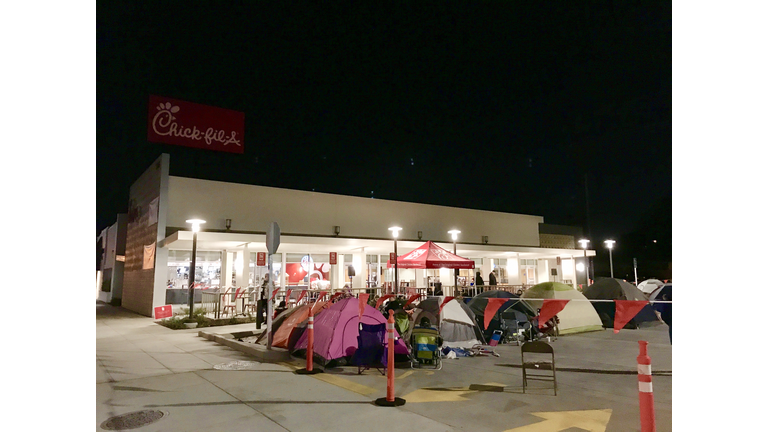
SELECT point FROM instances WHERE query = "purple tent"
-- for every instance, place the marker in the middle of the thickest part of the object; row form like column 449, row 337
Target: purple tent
column 336, row 330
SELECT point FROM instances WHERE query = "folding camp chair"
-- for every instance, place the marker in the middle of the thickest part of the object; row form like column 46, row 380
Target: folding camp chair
column 544, row 369
column 370, row 347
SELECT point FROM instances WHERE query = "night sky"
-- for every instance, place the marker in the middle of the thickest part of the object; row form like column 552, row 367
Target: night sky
column 503, row 106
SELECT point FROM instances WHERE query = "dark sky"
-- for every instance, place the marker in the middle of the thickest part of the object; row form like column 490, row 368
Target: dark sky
column 504, row 106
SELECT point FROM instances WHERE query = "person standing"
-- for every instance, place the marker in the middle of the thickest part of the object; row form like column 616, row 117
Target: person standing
column 479, row 280
column 492, row 277
column 666, row 313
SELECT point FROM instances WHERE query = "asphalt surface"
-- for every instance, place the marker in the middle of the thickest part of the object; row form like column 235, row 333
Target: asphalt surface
column 196, row 384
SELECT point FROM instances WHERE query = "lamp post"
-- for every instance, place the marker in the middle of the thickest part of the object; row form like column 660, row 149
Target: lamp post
column 583, row 243
column 455, row 235
column 195, row 228
column 609, row 245
column 395, row 230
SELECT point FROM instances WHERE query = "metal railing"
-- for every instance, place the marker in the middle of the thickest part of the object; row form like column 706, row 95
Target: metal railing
column 218, row 303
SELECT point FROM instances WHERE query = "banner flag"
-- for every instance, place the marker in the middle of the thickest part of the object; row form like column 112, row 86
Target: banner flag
column 287, row 296
column 550, row 308
column 625, row 311
column 149, row 257
column 274, row 293
column 335, row 295
column 362, row 300
column 447, row 299
column 301, row 296
column 491, row 307
column 319, row 297
column 382, row 298
column 412, row 299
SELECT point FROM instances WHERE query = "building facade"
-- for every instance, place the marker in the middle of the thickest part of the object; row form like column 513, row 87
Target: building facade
column 314, row 225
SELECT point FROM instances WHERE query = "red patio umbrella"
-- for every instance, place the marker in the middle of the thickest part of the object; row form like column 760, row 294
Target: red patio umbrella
column 432, row 256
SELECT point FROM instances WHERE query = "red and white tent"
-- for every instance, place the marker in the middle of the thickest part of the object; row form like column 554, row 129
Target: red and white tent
column 431, row 256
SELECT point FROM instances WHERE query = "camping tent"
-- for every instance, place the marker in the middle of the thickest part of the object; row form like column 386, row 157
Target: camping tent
column 512, row 310
column 577, row 317
column 336, row 330
column 456, row 322
column 658, row 294
column 431, row 256
column 616, row 289
column 649, row 285
column 294, row 325
column 297, row 323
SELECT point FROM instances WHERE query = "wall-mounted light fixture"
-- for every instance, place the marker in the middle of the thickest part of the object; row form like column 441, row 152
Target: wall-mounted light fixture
column 337, row 229
column 419, row 235
column 228, row 224
column 485, row 239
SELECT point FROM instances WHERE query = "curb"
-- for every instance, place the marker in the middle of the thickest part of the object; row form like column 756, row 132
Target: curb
column 260, row 352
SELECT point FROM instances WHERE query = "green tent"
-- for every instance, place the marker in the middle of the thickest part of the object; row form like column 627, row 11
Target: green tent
column 577, row 317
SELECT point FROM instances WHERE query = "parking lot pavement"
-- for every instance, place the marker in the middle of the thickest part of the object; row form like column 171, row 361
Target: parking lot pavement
column 144, row 366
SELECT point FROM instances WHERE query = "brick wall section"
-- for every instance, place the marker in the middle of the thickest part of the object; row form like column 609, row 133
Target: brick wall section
column 558, row 241
column 138, row 284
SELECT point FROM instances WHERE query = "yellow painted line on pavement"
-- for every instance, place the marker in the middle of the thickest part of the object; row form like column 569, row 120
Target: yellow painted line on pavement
column 449, row 394
column 336, row 380
column 346, row 384
column 589, row 420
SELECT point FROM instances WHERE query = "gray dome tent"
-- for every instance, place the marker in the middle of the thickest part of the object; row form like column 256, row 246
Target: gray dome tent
column 512, row 310
column 456, row 322
column 616, row 289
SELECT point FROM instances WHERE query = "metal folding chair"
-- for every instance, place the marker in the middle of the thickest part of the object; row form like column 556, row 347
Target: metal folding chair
column 538, row 362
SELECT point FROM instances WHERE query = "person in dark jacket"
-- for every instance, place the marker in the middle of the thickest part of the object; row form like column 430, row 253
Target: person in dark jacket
column 479, row 280
column 492, row 278
column 666, row 313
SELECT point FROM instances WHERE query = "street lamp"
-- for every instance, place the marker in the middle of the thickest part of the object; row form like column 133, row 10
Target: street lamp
column 455, row 235
column 583, row 243
column 195, row 228
column 395, row 230
column 609, row 245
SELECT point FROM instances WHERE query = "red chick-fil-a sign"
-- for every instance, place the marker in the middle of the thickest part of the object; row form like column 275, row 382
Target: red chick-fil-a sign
column 172, row 121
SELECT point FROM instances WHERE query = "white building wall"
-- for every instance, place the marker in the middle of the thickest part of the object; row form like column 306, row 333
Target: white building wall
column 252, row 208
column 513, row 271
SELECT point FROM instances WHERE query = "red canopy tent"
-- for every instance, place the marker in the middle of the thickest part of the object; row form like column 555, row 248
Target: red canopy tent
column 432, row 256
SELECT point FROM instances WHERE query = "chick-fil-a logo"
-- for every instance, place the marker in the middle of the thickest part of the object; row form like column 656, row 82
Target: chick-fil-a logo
column 189, row 124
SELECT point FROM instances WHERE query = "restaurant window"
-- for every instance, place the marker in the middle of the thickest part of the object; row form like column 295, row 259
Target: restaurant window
column 207, row 268
column 500, row 265
column 304, row 269
column 259, row 273
column 372, row 272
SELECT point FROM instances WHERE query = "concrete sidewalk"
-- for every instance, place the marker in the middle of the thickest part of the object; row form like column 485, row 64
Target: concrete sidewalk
column 141, row 365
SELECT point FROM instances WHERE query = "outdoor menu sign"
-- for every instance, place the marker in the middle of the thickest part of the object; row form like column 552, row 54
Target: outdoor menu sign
column 392, row 258
column 333, row 258
column 163, row 312
column 261, row 259
column 173, row 121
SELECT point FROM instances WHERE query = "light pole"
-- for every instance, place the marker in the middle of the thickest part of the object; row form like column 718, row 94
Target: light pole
column 395, row 230
column 583, row 243
column 609, row 245
column 455, row 235
column 195, row 228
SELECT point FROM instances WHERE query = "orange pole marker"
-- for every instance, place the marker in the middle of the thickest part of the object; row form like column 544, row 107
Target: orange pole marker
column 310, row 346
column 310, row 340
column 390, row 400
column 645, row 387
